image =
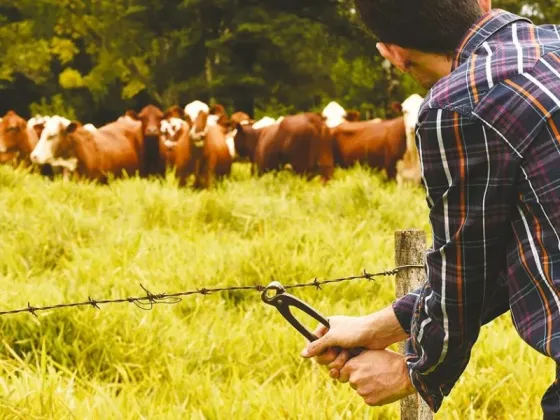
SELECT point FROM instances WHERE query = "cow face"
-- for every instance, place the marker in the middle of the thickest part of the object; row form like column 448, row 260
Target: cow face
column 410, row 109
column 194, row 109
column 54, row 143
column 151, row 117
column 245, row 138
column 12, row 131
column 37, row 123
column 333, row 114
column 171, row 130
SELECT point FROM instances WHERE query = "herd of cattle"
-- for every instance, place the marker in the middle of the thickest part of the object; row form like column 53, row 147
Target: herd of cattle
column 204, row 141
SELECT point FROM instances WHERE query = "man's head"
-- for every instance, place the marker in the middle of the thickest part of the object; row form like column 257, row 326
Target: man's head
column 420, row 37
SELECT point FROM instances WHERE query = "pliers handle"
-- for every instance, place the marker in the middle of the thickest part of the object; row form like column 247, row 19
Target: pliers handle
column 282, row 301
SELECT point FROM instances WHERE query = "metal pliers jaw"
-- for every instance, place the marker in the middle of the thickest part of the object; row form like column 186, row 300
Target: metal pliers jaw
column 282, row 301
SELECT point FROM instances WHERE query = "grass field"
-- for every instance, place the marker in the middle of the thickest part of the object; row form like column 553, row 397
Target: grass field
column 219, row 356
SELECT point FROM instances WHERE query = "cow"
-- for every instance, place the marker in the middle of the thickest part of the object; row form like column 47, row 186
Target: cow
column 175, row 111
column 334, row 114
column 150, row 118
column 409, row 170
column 37, row 123
column 175, row 148
column 111, row 150
column 17, row 140
column 264, row 122
column 238, row 117
column 247, row 136
column 303, row 141
column 217, row 115
column 209, row 150
column 377, row 144
column 352, row 115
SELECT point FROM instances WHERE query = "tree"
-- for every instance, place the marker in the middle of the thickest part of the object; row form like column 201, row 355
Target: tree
column 94, row 59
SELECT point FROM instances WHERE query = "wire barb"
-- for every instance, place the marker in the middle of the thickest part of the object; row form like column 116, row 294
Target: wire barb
column 150, row 299
column 32, row 309
column 93, row 302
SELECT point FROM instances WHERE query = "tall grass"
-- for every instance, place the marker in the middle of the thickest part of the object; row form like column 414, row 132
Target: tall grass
column 221, row 356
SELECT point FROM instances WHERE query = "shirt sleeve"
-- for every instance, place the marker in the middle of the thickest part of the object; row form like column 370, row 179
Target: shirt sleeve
column 494, row 307
column 467, row 173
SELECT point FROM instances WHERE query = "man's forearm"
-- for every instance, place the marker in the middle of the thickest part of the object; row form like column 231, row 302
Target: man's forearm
column 385, row 329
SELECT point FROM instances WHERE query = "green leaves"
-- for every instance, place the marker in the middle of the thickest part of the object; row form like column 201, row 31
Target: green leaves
column 71, row 79
column 261, row 57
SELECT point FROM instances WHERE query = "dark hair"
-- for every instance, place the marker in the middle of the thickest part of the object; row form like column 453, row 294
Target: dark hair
column 426, row 25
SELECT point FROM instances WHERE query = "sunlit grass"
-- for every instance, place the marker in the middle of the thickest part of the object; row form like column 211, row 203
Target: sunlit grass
column 223, row 355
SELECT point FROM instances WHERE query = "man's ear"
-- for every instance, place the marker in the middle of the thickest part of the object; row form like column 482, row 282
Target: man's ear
column 485, row 5
column 398, row 56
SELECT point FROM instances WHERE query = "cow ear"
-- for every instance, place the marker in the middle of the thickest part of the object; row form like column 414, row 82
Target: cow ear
column 132, row 114
column 72, row 127
column 397, row 107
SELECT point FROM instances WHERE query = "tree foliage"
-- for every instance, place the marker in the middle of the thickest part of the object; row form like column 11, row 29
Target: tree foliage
column 95, row 58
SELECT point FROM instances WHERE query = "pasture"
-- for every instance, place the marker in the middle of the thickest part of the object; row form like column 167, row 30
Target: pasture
column 223, row 356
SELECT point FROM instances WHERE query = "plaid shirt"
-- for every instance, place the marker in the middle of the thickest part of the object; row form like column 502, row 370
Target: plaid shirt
column 489, row 144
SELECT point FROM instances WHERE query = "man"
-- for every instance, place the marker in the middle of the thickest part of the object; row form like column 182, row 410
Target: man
column 488, row 136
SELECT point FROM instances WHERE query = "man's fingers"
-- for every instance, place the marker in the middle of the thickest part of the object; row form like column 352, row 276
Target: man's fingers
column 345, row 373
column 329, row 356
column 317, row 347
column 340, row 360
column 334, row 373
column 320, row 331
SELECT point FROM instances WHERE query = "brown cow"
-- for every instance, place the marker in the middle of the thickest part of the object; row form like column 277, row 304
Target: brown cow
column 175, row 112
column 112, row 149
column 17, row 140
column 246, row 138
column 303, row 141
column 352, row 115
column 239, row 117
column 150, row 117
column 377, row 144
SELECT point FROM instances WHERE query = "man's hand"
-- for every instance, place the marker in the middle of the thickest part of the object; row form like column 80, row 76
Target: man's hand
column 373, row 332
column 379, row 376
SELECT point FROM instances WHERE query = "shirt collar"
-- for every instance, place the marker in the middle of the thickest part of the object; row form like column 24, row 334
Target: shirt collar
column 484, row 28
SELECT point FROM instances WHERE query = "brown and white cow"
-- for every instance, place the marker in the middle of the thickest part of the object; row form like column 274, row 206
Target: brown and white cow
column 17, row 140
column 303, row 141
column 37, row 123
column 110, row 150
column 377, row 144
column 210, row 154
column 175, row 148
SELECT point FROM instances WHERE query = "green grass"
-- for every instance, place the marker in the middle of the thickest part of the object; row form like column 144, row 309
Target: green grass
column 223, row 356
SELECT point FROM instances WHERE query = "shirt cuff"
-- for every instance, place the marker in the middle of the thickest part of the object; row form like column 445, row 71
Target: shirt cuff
column 426, row 390
column 404, row 308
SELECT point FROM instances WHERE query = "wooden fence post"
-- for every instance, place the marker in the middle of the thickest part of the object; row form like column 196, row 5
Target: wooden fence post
column 410, row 249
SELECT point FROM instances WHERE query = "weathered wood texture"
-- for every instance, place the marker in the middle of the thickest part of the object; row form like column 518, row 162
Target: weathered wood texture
column 410, row 249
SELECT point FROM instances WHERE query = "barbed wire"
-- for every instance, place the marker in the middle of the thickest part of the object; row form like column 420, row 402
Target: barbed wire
column 148, row 301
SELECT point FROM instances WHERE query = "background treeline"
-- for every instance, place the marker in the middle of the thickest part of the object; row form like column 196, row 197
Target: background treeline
column 93, row 59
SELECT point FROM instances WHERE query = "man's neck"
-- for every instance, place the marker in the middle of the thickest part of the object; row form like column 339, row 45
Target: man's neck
column 429, row 68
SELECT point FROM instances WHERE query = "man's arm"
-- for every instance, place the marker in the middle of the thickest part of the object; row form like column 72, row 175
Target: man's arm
column 468, row 177
column 494, row 307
